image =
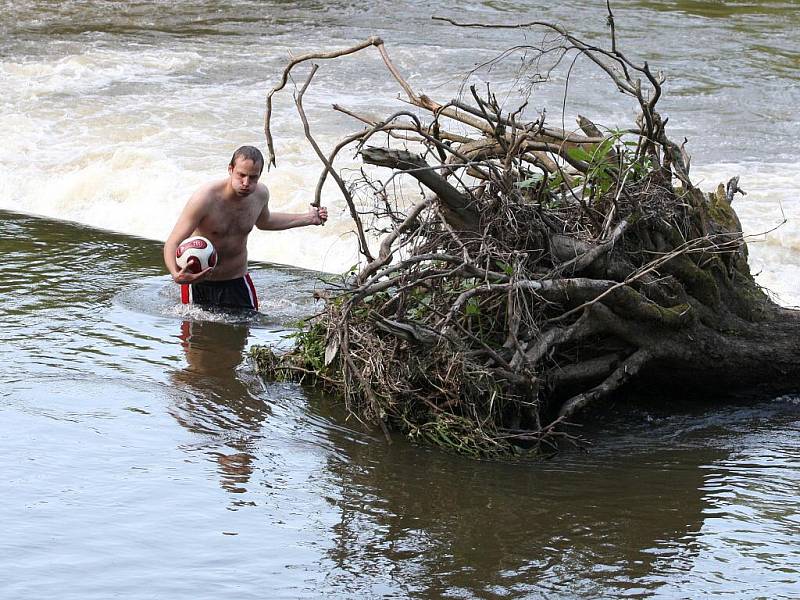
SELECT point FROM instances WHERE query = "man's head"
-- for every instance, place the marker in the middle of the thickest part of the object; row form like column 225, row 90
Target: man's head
column 245, row 168
column 248, row 153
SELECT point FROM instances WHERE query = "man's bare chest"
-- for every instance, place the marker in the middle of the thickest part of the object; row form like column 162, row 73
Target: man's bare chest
column 231, row 221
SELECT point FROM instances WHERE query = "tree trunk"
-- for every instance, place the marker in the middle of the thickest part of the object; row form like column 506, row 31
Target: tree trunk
column 761, row 359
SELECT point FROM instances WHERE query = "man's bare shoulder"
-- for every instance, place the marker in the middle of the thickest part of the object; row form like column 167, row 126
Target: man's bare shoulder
column 261, row 193
column 207, row 194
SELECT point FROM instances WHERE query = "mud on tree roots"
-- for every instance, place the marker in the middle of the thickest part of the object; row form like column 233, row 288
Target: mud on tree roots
column 537, row 273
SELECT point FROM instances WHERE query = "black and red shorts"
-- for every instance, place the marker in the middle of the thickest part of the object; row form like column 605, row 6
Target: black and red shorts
column 231, row 293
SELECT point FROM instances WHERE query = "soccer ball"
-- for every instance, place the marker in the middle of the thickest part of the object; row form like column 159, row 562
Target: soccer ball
column 197, row 252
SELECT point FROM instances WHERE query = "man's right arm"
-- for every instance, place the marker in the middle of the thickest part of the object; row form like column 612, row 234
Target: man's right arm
column 188, row 221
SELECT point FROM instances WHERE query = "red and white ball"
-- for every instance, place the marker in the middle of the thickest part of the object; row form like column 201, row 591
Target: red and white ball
column 197, row 253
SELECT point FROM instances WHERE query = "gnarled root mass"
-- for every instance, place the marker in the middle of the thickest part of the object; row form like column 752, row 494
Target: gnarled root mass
column 537, row 272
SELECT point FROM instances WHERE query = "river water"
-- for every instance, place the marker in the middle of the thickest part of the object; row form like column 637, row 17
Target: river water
column 141, row 457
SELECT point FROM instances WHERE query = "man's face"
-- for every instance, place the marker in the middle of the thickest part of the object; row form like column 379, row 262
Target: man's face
column 244, row 176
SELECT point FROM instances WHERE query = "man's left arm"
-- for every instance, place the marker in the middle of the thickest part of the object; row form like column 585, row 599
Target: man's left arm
column 274, row 221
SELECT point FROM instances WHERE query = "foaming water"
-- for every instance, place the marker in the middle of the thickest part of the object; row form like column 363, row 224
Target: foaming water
column 770, row 216
column 114, row 114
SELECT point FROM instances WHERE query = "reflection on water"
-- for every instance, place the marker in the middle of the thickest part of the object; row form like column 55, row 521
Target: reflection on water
column 667, row 509
column 593, row 528
column 213, row 400
column 142, row 458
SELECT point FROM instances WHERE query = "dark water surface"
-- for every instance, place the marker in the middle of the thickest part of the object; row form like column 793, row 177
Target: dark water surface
column 141, row 458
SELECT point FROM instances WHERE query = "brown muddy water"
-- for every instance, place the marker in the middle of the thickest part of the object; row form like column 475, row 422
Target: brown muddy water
column 142, row 458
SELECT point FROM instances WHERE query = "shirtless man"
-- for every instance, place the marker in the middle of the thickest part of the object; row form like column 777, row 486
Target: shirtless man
column 225, row 212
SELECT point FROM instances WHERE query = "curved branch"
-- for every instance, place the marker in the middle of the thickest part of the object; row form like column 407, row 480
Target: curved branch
column 630, row 367
column 385, row 253
column 362, row 240
column 371, row 41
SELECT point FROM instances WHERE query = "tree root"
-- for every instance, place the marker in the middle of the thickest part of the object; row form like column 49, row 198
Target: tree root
column 539, row 271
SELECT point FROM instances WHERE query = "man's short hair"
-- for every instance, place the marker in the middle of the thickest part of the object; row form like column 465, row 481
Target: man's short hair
column 248, row 153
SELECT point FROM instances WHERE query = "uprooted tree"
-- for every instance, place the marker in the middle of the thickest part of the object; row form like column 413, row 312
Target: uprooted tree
column 537, row 271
